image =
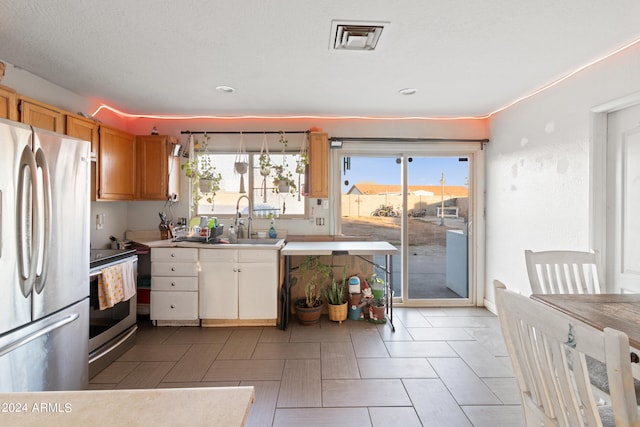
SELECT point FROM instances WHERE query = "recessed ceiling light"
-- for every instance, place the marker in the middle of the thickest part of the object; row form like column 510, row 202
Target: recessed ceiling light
column 225, row 89
column 408, row 91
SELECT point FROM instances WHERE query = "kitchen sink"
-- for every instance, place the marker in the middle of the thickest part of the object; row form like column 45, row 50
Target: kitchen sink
column 260, row 241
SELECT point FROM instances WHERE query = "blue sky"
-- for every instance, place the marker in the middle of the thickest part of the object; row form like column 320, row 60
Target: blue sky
column 422, row 171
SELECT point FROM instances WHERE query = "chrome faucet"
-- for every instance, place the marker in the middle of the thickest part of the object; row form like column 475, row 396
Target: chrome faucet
column 249, row 217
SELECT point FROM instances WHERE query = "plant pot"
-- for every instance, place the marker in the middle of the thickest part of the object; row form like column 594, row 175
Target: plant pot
column 354, row 299
column 338, row 313
column 241, row 167
column 376, row 314
column 204, row 185
column 308, row 316
column 283, row 187
column 355, row 312
column 265, row 171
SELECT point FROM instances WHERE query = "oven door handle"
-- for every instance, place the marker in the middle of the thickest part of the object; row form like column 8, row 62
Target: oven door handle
column 98, row 271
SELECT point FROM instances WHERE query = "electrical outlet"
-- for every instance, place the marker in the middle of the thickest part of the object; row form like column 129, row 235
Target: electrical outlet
column 320, row 221
column 99, row 221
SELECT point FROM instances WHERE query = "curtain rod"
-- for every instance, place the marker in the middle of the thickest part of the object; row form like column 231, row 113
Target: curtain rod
column 336, row 138
column 250, row 132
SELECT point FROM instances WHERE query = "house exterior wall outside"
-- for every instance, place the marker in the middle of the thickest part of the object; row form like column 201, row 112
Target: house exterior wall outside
column 539, row 166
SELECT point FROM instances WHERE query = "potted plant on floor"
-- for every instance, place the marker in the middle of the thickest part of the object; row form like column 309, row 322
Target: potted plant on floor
column 377, row 310
column 337, row 303
column 313, row 274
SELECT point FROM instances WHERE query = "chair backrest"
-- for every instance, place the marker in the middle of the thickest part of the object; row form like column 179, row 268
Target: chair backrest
column 548, row 350
column 564, row 272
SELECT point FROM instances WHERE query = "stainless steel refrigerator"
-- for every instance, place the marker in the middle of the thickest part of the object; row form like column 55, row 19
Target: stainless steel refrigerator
column 44, row 259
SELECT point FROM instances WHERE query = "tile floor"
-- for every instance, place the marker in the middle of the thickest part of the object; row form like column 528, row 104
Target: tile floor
column 442, row 367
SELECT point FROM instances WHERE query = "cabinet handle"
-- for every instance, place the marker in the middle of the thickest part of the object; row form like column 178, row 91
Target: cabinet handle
column 173, row 255
column 173, row 306
column 173, row 269
column 238, row 270
column 173, row 284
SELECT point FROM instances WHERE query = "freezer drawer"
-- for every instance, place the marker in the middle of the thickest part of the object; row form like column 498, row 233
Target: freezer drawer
column 50, row 354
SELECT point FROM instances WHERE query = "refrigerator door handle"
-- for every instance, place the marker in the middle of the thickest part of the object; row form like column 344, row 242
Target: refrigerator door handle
column 39, row 333
column 26, row 212
column 44, row 221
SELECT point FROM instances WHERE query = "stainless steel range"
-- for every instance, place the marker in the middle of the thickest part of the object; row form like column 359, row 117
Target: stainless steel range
column 111, row 330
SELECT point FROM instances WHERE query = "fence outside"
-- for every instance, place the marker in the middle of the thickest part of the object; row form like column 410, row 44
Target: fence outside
column 355, row 205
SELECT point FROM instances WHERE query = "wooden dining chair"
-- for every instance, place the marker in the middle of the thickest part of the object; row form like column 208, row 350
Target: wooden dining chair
column 564, row 272
column 548, row 350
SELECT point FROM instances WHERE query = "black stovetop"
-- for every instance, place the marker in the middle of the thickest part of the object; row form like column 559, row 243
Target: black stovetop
column 100, row 257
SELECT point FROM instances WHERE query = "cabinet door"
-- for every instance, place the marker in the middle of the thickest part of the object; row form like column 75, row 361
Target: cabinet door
column 116, row 160
column 41, row 115
column 151, row 161
column 318, row 165
column 258, row 290
column 86, row 129
column 8, row 103
column 218, row 285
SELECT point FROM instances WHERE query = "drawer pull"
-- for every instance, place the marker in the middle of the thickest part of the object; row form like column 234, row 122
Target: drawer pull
column 173, row 255
column 173, row 269
column 173, row 306
column 173, row 284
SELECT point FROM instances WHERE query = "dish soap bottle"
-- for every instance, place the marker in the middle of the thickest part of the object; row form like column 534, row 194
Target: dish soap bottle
column 272, row 231
column 232, row 235
column 240, row 231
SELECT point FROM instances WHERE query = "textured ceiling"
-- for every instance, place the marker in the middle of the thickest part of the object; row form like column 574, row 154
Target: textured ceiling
column 465, row 57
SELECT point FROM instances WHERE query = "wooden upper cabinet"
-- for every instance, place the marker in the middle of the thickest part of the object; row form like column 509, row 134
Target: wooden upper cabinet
column 116, row 161
column 8, row 103
column 157, row 171
column 41, row 115
column 318, row 165
column 86, row 129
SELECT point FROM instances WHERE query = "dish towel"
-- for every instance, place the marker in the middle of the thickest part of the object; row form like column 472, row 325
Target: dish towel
column 116, row 284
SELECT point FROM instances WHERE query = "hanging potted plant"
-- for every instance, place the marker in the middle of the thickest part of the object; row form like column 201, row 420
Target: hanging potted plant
column 205, row 179
column 337, row 303
column 313, row 274
column 303, row 157
column 241, row 165
column 283, row 181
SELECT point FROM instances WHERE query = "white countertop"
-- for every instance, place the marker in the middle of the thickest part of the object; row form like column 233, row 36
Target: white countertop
column 202, row 406
column 337, row 248
column 169, row 243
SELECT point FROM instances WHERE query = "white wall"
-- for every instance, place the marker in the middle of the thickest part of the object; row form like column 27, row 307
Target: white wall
column 538, row 167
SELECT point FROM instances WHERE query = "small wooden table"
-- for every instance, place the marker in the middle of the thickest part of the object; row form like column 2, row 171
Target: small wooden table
column 617, row 311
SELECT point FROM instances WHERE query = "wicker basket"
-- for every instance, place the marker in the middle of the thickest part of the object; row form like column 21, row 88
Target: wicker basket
column 338, row 313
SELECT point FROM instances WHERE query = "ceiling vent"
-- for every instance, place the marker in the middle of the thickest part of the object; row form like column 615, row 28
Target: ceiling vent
column 356, row 36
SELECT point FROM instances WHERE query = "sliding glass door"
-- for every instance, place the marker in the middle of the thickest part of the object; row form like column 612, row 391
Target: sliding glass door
column 423, row 204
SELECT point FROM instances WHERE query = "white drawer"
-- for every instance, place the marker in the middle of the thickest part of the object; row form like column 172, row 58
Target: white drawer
column 218, row 255
column 256, row 255
column 174, row 305
column 174, row 254
column 168, row 283
column 174, row 269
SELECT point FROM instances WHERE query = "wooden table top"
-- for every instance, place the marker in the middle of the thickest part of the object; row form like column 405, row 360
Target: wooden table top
column 617, row 311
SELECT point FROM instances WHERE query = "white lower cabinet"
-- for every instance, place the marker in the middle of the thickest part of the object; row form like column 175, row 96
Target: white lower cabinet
column 238, row 284
column 174, row 284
